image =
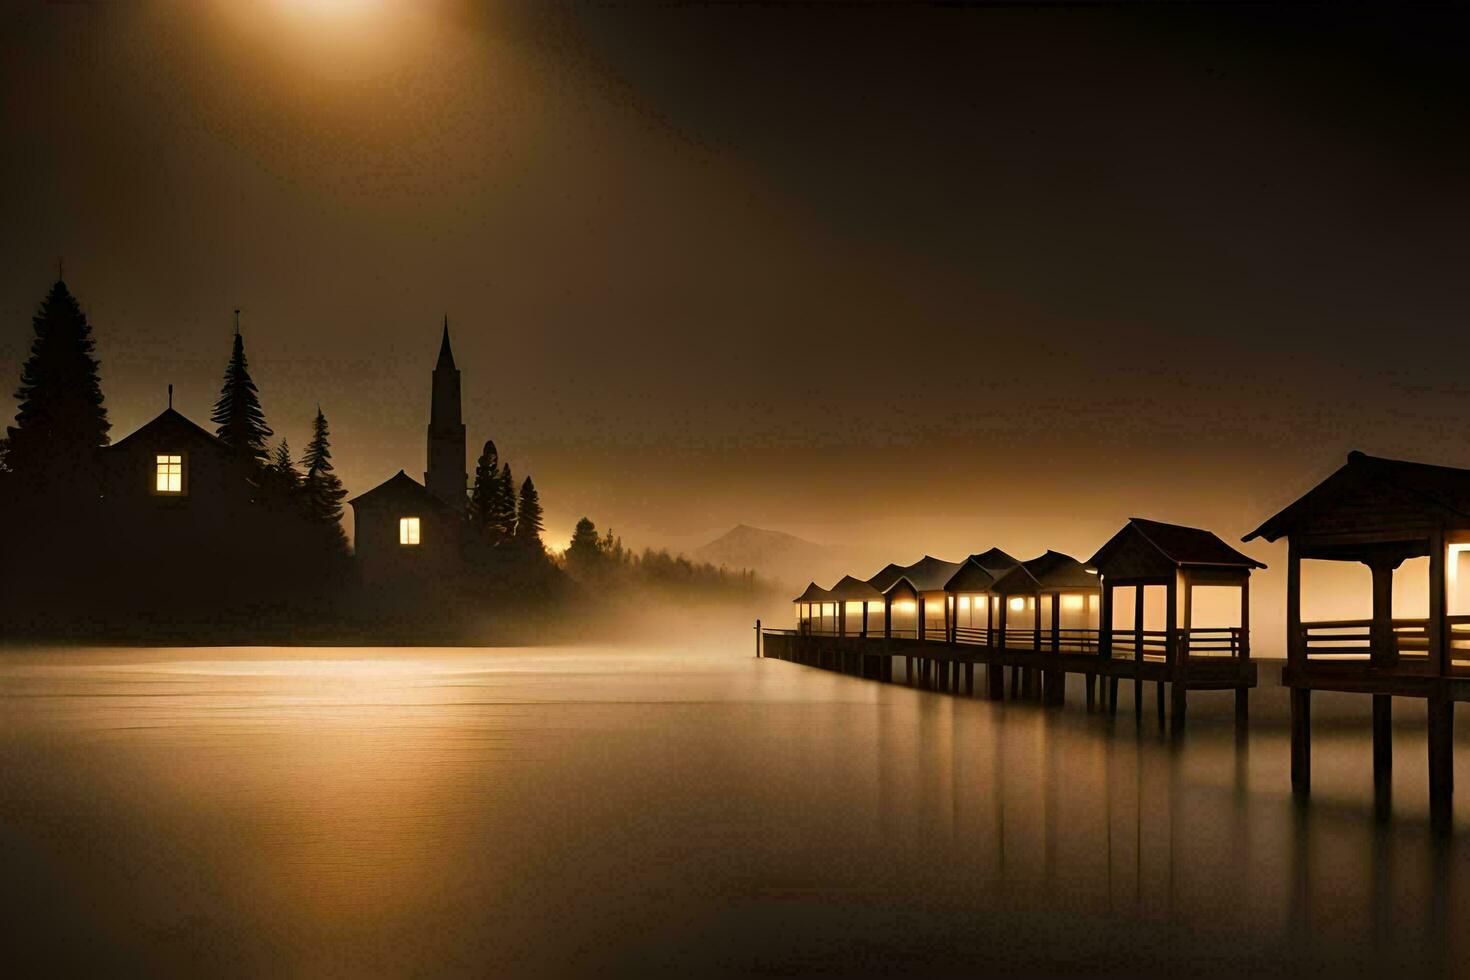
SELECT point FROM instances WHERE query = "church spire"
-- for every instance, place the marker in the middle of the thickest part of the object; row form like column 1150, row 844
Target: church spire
column 446, row 356
column 446, row 476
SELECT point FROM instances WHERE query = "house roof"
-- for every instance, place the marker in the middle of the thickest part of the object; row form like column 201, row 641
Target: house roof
column 399, row 486
column 176, row 422
column 1048, row 572
column 814, row 593
column 1435, row 492
column 1186, row 547
column 886, row 576
column 980, row 571
column 928, row 574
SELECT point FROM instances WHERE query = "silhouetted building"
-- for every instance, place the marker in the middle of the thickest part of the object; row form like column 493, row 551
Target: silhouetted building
column 404, row 532
column 403, row 529
column 171, row 483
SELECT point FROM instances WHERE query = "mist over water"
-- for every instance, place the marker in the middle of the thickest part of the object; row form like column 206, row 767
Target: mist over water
column 678, row 809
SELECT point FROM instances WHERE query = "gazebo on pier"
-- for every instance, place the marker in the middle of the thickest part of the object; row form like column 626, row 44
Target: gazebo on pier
column 923, row 583
column 1048, row 603
column 1381, row 513
column 860, row 603
column 972, row 596
column 1178, row 560
column 812, row 611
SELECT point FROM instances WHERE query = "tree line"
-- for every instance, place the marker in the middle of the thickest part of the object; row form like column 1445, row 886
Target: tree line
column 602, row 560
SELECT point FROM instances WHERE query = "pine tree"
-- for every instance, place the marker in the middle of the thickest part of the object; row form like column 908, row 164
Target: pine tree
column 237, row 413
column 281, row 466
column 528, row 517
column 482, row 496
column 504, row 519
column 584, row 553
column 61, row 419
column 321, row 490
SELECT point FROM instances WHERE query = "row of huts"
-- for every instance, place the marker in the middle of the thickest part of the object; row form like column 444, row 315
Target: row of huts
column 1052, row 602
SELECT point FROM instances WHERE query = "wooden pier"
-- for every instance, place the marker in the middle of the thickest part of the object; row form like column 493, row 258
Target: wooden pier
column 1040, row 619
column 940, row 665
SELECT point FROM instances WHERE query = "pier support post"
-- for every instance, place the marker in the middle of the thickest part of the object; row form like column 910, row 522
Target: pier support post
column 995, row 677
column 1441, row 752
column 1242, row 708
column 1301, row 739
column 969, row 680
column 1159, row 702
column 1091, row 698
column 1382, row 739
column 1180, row 691
column 1112, row 695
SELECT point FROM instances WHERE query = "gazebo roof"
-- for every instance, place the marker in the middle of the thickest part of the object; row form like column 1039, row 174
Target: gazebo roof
column 928, row 574
column 850, row 589
column 815, row 593
column 1048, row 572
column 979, row 572
column 1183, row 547
column 1370, row 493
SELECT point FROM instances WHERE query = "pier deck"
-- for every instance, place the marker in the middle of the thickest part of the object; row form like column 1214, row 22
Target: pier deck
column 948, row 665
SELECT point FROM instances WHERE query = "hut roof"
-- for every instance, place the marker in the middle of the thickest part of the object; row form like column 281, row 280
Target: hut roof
column 1049, row 572
column 979, row 572
column 1373, row 493
column 814, row 593
column 928, row 574
column 849, row 589
column 1184, row 547
column 886, row 576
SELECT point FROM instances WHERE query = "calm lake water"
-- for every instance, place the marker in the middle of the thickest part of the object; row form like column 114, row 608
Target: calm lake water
column 678, row 811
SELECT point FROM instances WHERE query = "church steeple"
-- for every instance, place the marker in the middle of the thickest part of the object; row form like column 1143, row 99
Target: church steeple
column 446, row 477
column 446, row 356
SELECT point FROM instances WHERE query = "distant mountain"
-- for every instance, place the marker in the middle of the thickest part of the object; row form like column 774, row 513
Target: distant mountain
column 775, row 555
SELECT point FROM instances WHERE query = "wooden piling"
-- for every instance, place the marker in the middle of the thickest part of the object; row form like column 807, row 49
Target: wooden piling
column 1382, row 738
column 1441, row 751
column 1301, row 739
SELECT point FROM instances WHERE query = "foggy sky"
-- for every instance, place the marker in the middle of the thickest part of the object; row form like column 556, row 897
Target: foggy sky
column 914, row 279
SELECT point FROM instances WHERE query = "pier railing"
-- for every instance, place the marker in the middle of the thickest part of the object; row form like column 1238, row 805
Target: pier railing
column 1197, row 643
column 1347, row 641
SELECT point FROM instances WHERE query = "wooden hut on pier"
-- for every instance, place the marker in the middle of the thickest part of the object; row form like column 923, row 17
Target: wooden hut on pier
column 812, row 607
column 1381, row 513
column 1177, row 560
column 971, row 596
column 915, row 601
column 1048, row 603
column 859, row 607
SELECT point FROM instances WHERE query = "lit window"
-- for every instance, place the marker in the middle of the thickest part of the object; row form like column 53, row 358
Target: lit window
column 168, row 473
column 408, row 530
column 964, row 603
column 1018, row 603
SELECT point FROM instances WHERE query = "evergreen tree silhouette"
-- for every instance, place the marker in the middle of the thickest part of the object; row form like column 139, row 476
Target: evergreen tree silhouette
column 504, row 520
column 282, row 467
column 237, row 413
column 528, row 517
column 321, row 489
column 61, row 419
column 483, row 495
column 584, row 553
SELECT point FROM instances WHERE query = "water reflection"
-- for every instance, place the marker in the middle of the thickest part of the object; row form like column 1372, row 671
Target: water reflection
column 595, row 811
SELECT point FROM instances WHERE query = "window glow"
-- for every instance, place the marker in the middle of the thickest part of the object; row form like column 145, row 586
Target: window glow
column 905, row 605
column 1018, row 603
column 1072, row 602
column 408, row 530
column 964, row 603
column 169, row 473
